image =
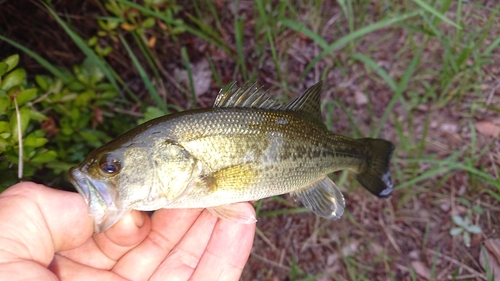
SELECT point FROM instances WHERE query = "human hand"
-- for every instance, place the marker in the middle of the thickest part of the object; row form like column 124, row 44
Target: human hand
column 46, row 234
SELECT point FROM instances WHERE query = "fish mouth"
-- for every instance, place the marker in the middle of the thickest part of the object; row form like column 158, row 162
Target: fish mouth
column 93, row 191
column 97, row 196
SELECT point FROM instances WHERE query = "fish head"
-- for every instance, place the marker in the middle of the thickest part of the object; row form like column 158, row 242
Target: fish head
column 147, row 175
column 99, row 179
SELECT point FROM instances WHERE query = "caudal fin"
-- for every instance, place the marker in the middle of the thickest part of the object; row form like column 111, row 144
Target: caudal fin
column 376, row 176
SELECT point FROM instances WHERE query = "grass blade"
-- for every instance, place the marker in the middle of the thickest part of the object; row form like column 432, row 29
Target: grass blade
column 400, row 88
column 144, row 77
column 306, row 31
column 375, row 67
column 185, row 58
column 238, row 33
column 493, row 46
column 85, row 49
column 354, row 35
column 436, row 13
column 66, row 78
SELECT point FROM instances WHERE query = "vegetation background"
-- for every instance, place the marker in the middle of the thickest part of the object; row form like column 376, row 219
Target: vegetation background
column 424, row 74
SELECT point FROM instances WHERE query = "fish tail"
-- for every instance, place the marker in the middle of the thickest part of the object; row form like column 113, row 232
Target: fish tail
column 375, row 175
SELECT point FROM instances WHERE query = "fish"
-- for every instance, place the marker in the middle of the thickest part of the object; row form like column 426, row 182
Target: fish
column 246, row 147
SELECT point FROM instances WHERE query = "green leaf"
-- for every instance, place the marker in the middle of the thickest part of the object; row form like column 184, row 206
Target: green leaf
column 90, row 137
column 26, row 96
column 108, row 95
column 3, row 144
column 456, row 231
column 3, row 68
column 113, row 24
column 458, row 220
column 15, row 78
column 4, row 126
column 4, row 102
column 474, row 229
column 151, row 113
column 467, row 238
column 149, row 22
column 34, row 141
column 42, row 81
column 92, row 41
column 24, row 113
column 478, row 210
column 94, row 72
column 11, row 61
column 464, row 202
column 44, row 157
column 35, row 115
column 76, row 86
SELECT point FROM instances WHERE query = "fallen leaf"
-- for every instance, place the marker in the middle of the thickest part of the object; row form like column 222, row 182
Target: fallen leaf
column 324, row 278
column 421, row 269
column 360, row 98
column 332, row 259
column 490, row 256
column 350, row 249
column 488, row 128
column 449, row 127
column 414, row 255
column 202, row 77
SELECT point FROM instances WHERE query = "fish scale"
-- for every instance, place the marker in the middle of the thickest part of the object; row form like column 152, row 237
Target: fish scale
column 302, row 151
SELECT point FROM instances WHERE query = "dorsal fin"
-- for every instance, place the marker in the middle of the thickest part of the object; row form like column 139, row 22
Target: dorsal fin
column 248, row 95
column 308, row 102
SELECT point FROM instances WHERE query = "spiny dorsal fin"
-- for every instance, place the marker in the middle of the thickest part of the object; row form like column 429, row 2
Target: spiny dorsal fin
column 309, row 101
column 249, row 95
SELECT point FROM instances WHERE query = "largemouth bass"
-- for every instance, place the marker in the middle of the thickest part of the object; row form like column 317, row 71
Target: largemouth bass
column 244, row 148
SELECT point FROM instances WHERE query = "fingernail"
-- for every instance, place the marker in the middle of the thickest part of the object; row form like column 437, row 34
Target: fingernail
column 138, row 218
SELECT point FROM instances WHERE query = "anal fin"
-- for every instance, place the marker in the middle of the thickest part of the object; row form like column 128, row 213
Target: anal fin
column 323, row 198
column 233, row 213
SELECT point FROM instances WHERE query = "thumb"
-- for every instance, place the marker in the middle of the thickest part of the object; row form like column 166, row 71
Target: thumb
column 37, row 221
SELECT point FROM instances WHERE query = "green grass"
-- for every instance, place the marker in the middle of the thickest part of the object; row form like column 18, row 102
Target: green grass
column 437, row 70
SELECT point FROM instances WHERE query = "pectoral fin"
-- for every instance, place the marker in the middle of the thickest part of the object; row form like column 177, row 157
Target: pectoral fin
column 230, row 212
column 323, row 198
column 233, row 178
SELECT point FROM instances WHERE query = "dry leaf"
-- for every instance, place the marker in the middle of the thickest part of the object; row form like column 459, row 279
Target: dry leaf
column 360, row 98
column 421, row 269
column 449, row 127
column 324, row 278
column 350, row 249
column 202, row 77
column 488, row 128
column 491, row 252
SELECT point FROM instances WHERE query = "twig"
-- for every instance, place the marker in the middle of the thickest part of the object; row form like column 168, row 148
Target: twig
column 273, row 263
column 389, row 235
column 20, row 141
column 265, row 239
column 454, row 261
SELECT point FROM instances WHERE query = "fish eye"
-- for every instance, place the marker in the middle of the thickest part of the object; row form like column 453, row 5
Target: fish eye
column 109, row 165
